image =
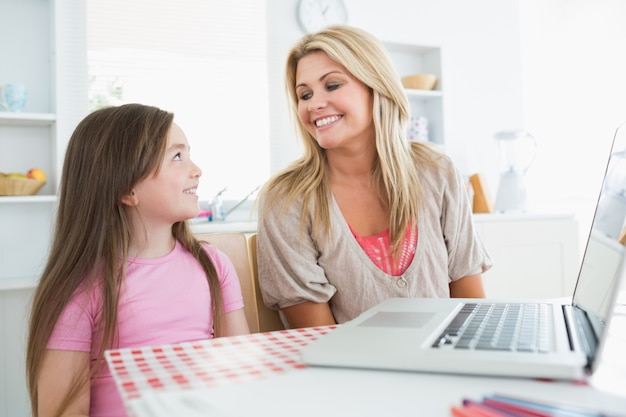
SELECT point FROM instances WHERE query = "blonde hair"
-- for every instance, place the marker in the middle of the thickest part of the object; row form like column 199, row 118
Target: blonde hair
column 395, row 173
column 110, row 151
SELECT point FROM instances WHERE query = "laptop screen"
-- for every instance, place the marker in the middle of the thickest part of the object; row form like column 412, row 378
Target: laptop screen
column 600, row 271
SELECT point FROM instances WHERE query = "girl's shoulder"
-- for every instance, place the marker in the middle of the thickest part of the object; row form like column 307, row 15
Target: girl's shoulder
column 215, row 253
column 221, row 261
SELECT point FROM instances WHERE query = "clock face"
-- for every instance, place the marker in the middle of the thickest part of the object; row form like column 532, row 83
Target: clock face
column 314, row 15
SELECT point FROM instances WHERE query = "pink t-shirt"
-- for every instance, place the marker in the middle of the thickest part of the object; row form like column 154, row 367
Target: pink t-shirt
column 164, row 300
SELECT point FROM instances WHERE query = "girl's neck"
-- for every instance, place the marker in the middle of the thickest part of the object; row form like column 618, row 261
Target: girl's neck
column 151, row 243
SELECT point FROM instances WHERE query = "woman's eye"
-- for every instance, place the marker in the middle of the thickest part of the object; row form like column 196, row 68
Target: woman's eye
column 333, row 86
column 306, row 95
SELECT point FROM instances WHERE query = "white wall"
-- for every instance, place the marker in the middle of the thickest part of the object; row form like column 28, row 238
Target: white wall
column 574, row 97
column 480, row 59
column 552, row 67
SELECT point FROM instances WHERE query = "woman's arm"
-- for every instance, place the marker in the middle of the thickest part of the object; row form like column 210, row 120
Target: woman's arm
column 309, row 314
column 59, row 371
column 289, row 271
column 470, row 286
column 235, row 323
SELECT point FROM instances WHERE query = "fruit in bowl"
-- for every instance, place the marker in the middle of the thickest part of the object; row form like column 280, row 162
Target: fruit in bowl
column 36, row 174
column 15, row 183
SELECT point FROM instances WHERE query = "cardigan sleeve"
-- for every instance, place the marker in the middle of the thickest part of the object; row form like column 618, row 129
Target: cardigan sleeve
column 287, row 256
column 467, row 254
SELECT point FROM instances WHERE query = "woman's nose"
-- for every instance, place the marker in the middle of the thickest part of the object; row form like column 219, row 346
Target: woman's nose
column 316, row 104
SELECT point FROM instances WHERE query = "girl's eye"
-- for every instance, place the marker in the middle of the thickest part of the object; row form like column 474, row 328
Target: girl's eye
column 178, row 157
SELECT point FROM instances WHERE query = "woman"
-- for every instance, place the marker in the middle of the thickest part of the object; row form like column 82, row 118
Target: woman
column 364, row 214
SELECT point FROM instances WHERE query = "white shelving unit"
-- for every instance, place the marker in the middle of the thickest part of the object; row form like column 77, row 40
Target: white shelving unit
column 414, row 59
column 50, row 59
column 28, row 139
column 42, row 44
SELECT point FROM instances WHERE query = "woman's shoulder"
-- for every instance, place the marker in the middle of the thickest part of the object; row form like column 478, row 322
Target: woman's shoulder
column 431, row 159
column 278, row 192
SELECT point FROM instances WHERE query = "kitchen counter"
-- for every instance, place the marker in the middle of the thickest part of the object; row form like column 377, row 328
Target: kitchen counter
column 225, row 226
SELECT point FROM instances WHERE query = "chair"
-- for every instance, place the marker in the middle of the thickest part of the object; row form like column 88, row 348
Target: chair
column 269, row 320
column 242, row 254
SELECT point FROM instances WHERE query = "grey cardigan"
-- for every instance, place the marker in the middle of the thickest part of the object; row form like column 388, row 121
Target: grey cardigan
column 295, row 267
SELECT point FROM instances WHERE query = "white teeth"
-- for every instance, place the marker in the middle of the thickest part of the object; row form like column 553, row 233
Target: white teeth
column 326, row 121
column 190, row 191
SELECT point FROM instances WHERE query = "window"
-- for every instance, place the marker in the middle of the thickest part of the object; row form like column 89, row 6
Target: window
column 204, row 60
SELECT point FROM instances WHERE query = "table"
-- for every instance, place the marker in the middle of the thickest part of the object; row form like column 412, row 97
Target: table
column 260, row 374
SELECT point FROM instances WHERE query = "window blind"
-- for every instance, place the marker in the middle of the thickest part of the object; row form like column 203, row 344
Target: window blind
column 204, row 60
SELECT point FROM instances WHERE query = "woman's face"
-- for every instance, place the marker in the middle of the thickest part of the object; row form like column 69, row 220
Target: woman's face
column 170, row 196
column 334, row 107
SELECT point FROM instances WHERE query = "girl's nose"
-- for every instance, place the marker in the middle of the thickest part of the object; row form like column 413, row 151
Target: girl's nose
column 196, row 171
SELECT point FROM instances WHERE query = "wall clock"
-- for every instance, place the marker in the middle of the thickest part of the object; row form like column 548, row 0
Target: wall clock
column 314, row 15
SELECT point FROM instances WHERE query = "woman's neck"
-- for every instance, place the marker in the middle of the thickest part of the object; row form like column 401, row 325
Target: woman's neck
column 351, row 166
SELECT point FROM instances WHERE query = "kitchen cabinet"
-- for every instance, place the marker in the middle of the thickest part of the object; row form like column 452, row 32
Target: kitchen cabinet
column 411, row 59
column 535, row 255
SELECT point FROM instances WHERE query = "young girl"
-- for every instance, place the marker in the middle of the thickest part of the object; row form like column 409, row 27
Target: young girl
column 124, row 269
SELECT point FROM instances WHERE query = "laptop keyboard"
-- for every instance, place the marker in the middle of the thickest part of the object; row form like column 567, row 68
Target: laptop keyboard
column 500, row 326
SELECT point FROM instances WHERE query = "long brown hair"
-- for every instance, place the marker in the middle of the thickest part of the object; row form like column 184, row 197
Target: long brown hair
column 111, row 150
column 394, row 173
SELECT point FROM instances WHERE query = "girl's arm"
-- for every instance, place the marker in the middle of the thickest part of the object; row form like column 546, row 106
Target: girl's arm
column 59, row 371
column 470, row 286
column 235, row 323
column 309, row 314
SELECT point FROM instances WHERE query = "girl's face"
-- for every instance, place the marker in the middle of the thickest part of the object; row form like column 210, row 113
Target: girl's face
column 170, row 196
column 333, row 106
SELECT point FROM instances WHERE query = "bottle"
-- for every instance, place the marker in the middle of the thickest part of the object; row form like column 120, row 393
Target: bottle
column 217, row 214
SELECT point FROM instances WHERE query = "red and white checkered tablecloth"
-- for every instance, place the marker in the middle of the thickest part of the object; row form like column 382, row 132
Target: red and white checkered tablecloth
column 208, row 363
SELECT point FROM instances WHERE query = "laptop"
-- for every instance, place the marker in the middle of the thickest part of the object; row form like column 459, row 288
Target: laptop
column 503, row 337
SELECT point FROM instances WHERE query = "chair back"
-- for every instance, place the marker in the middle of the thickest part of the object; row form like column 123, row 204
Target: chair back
column 269, row 320
column 241, row 249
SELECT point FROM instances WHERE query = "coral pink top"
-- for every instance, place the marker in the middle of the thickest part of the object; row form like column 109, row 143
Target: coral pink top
column 378, row 249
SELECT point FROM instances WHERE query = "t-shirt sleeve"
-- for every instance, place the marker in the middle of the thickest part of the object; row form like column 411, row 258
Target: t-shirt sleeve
column 75, row 327
column 229, row 280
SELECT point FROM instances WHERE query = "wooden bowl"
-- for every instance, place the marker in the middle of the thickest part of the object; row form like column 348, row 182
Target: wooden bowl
column 19, row 186
column 420, row 81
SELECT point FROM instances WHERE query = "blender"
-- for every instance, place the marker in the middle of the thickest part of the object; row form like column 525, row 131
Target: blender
column 612, row 206
column 517, row 153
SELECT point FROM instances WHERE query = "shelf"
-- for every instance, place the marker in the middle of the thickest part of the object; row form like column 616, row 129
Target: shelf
column 28, row 199
column 409, row 48
column 226, row 226
column 18, row 283
column 415, row 59
column 424, row 94
column 26, row 119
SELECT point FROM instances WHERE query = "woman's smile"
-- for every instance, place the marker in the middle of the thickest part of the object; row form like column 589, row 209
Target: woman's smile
column 326, row 121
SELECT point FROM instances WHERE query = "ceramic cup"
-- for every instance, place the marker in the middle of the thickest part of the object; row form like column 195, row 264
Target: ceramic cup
column 12, row 97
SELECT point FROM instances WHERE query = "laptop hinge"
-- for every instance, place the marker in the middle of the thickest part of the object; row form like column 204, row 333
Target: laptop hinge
column 583, row 331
